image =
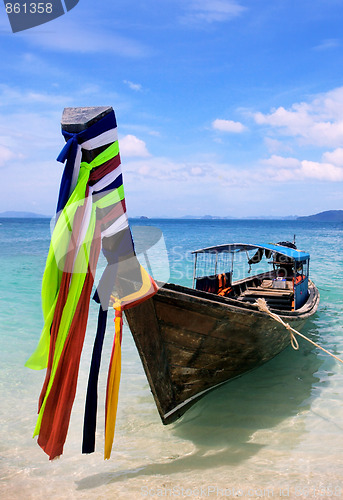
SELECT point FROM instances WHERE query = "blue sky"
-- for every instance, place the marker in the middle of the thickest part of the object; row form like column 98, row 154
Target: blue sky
column 224, row 107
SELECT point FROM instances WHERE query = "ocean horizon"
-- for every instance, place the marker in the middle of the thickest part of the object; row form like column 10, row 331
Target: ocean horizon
column 327, row 214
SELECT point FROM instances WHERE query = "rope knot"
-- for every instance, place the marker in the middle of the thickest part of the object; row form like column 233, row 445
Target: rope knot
column 70, row 146
column 117, row 308
column 86, row 166
column 118, row 313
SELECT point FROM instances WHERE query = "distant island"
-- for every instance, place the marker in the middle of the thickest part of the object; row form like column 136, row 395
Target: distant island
column 252, row 217
column 327, row 216
column 217, row 217
column 22, row 215
column 204, row 217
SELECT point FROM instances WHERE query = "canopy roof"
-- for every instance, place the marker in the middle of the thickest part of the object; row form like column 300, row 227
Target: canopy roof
column 296, row 255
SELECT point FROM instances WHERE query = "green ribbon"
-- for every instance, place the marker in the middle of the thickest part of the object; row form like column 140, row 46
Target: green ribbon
column 59, row 245
column 60, row 242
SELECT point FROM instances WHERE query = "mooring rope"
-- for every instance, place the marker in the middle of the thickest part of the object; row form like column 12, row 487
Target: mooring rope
column 263, row 307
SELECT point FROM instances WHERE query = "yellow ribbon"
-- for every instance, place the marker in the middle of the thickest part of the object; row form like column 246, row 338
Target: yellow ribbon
column 113, row 384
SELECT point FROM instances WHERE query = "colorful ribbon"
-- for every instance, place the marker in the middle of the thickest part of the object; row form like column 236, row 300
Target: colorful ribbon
column 68, row 240
column 99, row 134
column 109, row 283
column 70, row 318
column 92, row 210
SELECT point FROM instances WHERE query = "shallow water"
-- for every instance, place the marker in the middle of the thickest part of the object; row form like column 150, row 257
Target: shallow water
column 275, row 432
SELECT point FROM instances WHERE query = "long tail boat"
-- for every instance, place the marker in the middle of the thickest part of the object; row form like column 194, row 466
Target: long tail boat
column 192, row 340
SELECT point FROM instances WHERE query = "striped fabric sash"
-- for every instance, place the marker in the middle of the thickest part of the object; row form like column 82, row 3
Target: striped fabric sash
column 91, row 212
column 99, row 134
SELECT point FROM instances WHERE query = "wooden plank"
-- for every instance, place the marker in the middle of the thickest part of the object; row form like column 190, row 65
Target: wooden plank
column 195, row 322
column 187, row 339
column 267, row 289
column 267, row 293
column 146, row 333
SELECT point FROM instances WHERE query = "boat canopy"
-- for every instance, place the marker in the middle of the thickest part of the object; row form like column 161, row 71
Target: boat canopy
column 296, row 255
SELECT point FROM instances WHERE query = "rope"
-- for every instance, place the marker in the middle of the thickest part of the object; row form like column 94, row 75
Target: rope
column 263, row 307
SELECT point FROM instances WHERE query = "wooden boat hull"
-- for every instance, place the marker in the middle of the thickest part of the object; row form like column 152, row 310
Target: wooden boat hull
column 190, row 342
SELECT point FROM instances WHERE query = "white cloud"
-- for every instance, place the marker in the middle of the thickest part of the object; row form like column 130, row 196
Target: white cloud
column 321, row 171
column 29, row 140
column 210, row 11
column 334, row 157
column 159, row 171
column 32, row 135
column 83, row 36
column 294, row 121
column 5, row 155
column 130, row 145
column 282, row 169
column 34, row 187
column 133, row 86
column 139, row 128
column 197, row 171
column 228, row 126
column 155, row 169
column 275, row 170
column 318, row 122
column 277, row 162
column 11, row 96
column 329, row 43
column 276, row 146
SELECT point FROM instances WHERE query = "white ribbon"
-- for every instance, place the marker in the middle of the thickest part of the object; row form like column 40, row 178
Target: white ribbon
column 99, row 186
column 118, row 225
column 101, row 140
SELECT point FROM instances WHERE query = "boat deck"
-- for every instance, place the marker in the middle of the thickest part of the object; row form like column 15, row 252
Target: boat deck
column 277, row 298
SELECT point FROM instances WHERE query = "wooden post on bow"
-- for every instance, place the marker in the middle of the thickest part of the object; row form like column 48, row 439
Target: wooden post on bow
column 75, row 120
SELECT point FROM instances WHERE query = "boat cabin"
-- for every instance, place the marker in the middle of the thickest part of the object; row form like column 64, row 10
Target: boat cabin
column 284, row 285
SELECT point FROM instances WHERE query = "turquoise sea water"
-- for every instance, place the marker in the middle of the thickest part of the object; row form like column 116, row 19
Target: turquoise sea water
column 275, row 432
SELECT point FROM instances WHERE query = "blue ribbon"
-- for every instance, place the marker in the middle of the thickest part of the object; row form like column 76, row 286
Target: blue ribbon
column 89, row 425
column 124, row 246
column 69, row 151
